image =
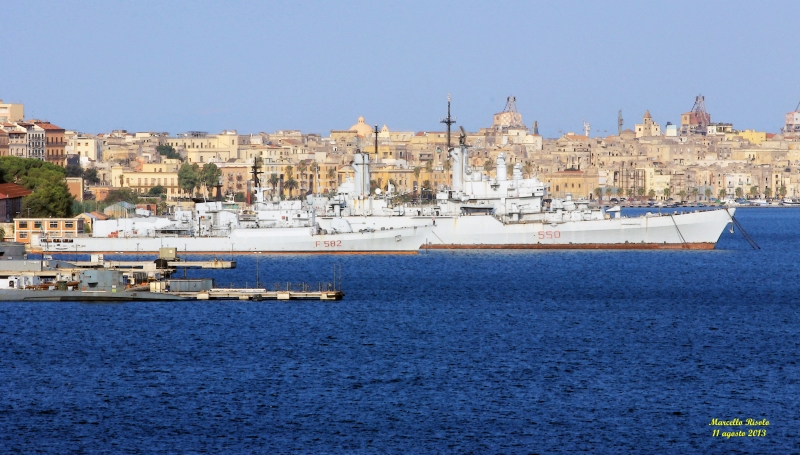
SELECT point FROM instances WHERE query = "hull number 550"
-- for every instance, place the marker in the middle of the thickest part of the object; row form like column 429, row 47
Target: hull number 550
column 549, row 235
column 329, row 244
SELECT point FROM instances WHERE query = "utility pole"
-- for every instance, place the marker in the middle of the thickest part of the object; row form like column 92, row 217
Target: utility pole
column 376, row 143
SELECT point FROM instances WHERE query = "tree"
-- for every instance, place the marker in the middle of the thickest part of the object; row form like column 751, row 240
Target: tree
column 90, row 175
column 629, row 192
column 447, row 166
column 290, row 184
column 273, row 182
column 315, row 170
column 50, row 196
column 489, row 165
column 651, row 193
column 417, row 171
column 599, row 193
column 694, row 193
column 767, row 192
column 426, row 187
column 157, row 190
column 782, row 191
column 74, row 170
column 189, row 177
column 167, row 151
column 667, row 191
column 708, row 193
column 527, row 168
column 682, row 194
column 301, row 170
column 722, row 193
column 738, row 192
column 754, row 191
column 209, row 176
column 429, row 165
column 122, row 195
column 640, row 191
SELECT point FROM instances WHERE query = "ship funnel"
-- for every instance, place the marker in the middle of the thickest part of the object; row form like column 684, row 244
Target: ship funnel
column 458, row 168
column 360, row 175
column 517, row 172
column 502, row 172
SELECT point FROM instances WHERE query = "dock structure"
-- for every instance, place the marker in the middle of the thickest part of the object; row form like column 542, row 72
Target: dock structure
column 140, row 265
column 202, row 289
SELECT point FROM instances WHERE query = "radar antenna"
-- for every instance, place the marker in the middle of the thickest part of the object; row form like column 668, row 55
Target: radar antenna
column 256, row 170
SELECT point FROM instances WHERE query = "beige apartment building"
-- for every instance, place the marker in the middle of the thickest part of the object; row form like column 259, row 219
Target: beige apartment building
column 10, row 113
column 26, row 228
column 148, row 176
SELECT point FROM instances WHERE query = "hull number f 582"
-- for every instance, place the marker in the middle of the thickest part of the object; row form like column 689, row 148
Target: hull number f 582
column 329, row 244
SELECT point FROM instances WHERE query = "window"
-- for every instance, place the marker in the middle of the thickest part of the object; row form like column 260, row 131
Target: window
column 23, row 235
column 23, row 225
column 69, row 225
column 54, row 225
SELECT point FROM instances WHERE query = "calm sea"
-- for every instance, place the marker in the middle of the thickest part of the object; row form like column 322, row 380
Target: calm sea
column 446, row 352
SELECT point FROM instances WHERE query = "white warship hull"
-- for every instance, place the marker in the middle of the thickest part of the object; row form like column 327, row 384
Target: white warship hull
column 690, row 230
column 264, row 240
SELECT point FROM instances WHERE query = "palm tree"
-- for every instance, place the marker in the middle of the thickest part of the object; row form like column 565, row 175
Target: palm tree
column 709, row 193
column 694, row 193
column 629, row 191
column 782, row 191
column 651, row 193
column 447, row 166
column 301, row 170
column 273, row 181
column 767, row 192
column 667, row 192
column 288, row 170
column 722, row 193
column 754, row 191
column 682, row 194
column 640, row 190
column 290, row 184
column 599, row 193
column 488, row 166
column 739, row 192
column 429, row 166
column 527, row 168
column 331, row 174
column 315, row 170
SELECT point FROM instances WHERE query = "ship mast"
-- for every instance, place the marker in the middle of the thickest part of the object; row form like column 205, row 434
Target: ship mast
column 449, row 121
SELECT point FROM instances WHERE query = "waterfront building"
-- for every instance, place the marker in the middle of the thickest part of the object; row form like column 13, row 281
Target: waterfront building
column 26, row 228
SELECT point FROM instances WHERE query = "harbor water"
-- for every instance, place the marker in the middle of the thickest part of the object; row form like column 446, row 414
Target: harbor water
column 441, row 352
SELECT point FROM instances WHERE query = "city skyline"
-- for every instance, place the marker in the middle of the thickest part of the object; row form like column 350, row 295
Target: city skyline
column 314, row 68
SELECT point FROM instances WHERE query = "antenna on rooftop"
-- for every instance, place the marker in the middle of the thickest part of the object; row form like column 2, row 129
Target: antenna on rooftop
column 449, row 121
column 587, row 128
column 619, row 123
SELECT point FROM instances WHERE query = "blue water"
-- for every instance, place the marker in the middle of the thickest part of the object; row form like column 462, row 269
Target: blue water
column 465, row 352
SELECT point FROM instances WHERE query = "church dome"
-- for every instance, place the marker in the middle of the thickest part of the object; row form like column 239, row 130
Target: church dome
column 361, row 128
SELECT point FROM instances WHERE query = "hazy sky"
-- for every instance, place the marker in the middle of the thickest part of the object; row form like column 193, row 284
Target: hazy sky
column 316, row 66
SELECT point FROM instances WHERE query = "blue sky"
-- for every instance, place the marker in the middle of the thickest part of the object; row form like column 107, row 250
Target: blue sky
column 316, row 66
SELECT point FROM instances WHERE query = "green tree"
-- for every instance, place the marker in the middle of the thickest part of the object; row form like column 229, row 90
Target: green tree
column 290, row 184
column 73, row 170
column 754, row 191
column 694, row 193
column 782, row 191
column 667, row 191
column 209, row 176
column 682, row 194
column 121, row 195
column 708, row 193
column 629, row 192
column 157, row 190
column 651, row 193
column 90, row 175
column 599, row 193
column 189, row 177
column 167, row 151
column 767, row 192
column 50, row 196
column 429, row 165
column 301, row 171
column 488, row 165
column 640, row 191
column 51, row 199
column 722, row 193
column 739, row 192
column 417, row 172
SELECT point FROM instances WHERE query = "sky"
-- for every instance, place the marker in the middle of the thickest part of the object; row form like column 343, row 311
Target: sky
column 315, row 66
